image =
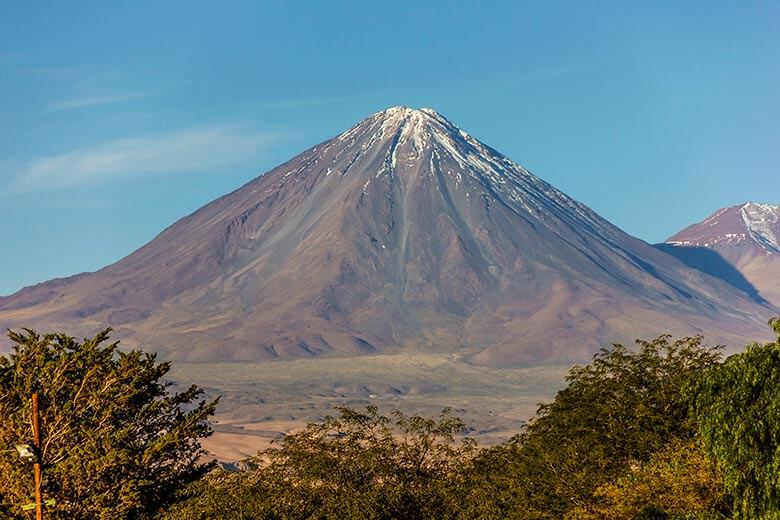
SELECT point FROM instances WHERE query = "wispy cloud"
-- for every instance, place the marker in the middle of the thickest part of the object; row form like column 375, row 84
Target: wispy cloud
column 92, row 101
column 192, row 150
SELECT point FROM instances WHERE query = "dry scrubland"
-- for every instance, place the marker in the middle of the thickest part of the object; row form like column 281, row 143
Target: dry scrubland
column 263, row 401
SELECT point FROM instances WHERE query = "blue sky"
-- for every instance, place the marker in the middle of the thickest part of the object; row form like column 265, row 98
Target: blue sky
column 117, row 118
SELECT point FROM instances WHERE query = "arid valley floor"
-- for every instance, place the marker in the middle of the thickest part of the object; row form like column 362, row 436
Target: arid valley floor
column 262, row 401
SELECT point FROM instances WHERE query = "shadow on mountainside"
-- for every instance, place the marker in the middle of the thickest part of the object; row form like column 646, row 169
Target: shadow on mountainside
column 713, row 264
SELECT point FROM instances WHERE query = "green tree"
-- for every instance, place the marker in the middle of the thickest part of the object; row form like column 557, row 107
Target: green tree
column 613, row 415
column 359, row 465
column 737, row 407
column 677, row 482
column 115, row 442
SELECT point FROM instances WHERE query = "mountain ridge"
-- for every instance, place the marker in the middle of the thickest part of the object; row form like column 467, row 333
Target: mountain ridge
column 745, row 237
column 403, row 232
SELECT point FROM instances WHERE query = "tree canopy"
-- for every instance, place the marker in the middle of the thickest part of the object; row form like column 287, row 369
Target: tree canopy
column 360, row 465
column 677, row 482
column 115, row 442
column 737, row 407
column 615, row 413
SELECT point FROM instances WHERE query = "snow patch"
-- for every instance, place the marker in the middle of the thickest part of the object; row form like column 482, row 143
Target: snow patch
column 761, row 221
column 415, row 133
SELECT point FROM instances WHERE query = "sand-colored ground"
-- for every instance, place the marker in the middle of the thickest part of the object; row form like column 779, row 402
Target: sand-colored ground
column 263, row 401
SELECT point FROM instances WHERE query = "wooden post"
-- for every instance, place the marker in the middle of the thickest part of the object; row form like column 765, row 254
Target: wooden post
column 37, row 464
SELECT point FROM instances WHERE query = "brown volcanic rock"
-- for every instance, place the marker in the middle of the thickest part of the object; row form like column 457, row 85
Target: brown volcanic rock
column 401, row 233
column 746, row 236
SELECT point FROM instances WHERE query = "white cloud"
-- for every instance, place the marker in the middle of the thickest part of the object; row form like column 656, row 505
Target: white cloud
column 92, row 101
column 192, row 150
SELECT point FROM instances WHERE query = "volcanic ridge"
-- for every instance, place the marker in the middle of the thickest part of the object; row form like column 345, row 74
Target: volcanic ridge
column 403, row 233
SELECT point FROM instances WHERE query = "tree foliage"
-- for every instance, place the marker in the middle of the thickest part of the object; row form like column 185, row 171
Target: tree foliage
column 737, row 406
column 614, row 414
column 115, row 442
column 679, row 481
column 359, row 465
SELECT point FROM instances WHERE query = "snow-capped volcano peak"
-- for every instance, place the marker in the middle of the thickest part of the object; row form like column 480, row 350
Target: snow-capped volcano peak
column 421, row 125
column 404, row 111
column 422, row 142
column 746, row 236
column 417, row 123
column 749, row 224
column 403, row 231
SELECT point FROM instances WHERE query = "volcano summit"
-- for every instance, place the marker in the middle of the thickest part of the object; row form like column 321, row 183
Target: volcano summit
column 402, row 233
column 745, row 237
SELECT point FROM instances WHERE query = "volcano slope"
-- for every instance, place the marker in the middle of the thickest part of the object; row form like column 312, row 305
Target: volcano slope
column 741, row 244
column 402, row 234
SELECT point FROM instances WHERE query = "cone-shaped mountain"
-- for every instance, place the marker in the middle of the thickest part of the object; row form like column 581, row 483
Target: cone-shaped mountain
column 403, row 232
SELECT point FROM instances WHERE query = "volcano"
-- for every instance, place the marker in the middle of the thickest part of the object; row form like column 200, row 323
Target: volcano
column 744, row 239
column 403, row 233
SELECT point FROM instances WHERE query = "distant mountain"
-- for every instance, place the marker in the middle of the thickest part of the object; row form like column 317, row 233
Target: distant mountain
column 744, row 238
column 403, row 232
